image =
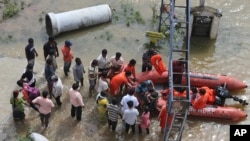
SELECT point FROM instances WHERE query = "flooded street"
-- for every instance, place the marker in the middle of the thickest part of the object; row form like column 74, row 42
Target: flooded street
column 228, row 54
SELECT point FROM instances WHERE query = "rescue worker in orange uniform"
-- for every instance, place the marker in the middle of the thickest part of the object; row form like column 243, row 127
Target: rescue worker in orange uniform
column 157, row 62
column 118, row 80
column 210, row 95
column 199, row 100
column 162, row 118
column 130, row 67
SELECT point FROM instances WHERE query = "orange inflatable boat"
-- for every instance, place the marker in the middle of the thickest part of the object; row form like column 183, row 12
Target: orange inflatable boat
column 196, row 79
column 211, row 111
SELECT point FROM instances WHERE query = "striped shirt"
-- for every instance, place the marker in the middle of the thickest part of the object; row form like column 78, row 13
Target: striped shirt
column 92, row 71
column 113, row 112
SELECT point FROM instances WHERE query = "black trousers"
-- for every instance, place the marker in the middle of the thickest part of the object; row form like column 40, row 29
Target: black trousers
column 58, row 100
column 66, row 67
column 146, row 67
column 113, row 124
column 32, row 105
column 18, row 114
column 76, row 111
column 33, row 84
column 127, row 126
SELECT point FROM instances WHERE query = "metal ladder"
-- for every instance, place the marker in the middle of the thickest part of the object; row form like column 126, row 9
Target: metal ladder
column 177, row 108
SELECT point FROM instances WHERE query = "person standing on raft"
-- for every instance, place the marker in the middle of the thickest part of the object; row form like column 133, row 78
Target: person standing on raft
column 146, row 60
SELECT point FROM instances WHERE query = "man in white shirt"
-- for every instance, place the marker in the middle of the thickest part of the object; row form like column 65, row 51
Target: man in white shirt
column 116, row 63
column 103, row 83
column 57, row 89
column 103, row 61
column 129, row 117
column 92, row 75
column 129, row 97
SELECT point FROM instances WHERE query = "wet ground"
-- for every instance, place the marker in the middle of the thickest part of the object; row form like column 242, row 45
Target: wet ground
column 228, row 54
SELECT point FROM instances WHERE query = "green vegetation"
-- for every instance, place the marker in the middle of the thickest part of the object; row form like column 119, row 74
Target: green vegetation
column 107, row 36
column 24, row 138
column 153, row 46
column 41, row 17
column 7, row 39
column 11, row 8
column 178, row 34
column 126, row 14
column 155, row 18
column 22, row 5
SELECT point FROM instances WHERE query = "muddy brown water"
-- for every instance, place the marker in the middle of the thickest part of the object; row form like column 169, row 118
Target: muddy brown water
column 228, row 54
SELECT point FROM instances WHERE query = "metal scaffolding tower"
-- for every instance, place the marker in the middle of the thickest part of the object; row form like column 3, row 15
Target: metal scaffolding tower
column 177, row 107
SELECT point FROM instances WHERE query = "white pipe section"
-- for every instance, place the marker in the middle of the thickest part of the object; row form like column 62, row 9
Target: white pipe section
column 76, row 19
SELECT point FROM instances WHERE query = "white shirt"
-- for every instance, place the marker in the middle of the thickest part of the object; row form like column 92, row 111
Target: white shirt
column 102, row 86
column 130, row 116
column 127, row 98
column 57, row 88
column 102, row 61
column 92, row 71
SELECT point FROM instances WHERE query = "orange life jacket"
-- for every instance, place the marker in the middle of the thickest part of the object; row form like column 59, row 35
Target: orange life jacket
column 157, row 62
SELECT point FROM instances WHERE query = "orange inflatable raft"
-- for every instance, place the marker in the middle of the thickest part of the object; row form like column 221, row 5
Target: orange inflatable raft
column 210, row 111
column 216, row 112
column 196, row 79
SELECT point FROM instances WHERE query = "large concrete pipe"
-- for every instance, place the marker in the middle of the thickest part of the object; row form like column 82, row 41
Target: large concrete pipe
column 76, row 19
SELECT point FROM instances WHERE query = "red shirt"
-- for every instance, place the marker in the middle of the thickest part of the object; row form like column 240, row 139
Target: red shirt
column 130, row 68
column 67, row 54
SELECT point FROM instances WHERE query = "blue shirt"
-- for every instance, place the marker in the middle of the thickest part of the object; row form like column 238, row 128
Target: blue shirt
column 141, row 88
column 49, row 71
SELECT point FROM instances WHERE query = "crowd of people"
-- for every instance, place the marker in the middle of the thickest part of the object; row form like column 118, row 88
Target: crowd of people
column 118, row 93
column 114, row 83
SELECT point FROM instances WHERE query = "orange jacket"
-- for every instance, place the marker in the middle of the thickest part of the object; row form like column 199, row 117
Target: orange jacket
column 157, row 62
column 117, row 81
column 67, row 54
column 130, row 68
column 200, row 101
column 211, row 95
column 25, row 92
column 162, row 117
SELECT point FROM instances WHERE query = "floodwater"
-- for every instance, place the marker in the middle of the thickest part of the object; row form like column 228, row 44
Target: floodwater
column 228, row 54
